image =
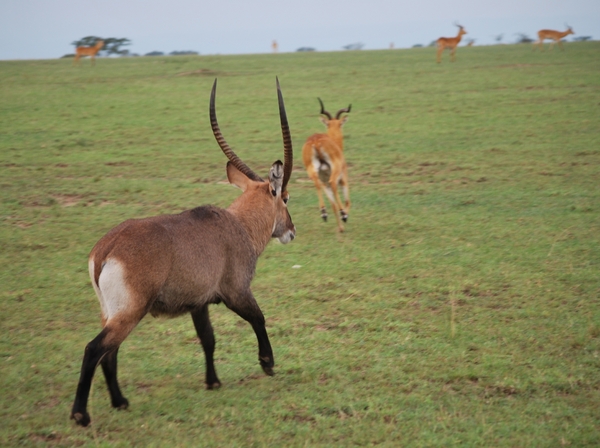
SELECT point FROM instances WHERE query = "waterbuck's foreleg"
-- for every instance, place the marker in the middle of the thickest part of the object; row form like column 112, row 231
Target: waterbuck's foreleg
column 247, row 308
column 109, row 367
column 206, row 335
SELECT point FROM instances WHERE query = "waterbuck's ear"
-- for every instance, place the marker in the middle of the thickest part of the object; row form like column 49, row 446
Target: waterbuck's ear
column 236, row 177
column 276, row 178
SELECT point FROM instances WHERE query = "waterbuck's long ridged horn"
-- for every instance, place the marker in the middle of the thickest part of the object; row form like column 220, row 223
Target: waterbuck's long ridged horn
column 343, row 111
column 233, row 158
column 323, row 111
column 288, row 153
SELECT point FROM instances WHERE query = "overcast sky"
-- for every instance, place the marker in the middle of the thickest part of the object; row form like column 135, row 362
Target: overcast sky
column 44, row 29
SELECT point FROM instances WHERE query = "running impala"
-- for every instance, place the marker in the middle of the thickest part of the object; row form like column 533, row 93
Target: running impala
column 323, row 157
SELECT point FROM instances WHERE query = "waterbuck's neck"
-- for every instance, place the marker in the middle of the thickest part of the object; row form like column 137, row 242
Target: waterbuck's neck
column 257, row 216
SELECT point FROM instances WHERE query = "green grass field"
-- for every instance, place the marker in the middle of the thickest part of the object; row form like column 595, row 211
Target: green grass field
column 461, row 307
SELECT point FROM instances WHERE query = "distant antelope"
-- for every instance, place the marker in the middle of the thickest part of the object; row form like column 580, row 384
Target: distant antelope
column 176, row 264
column 555, row 36
column 88, row 51
column 323, row 157
column 450, row 43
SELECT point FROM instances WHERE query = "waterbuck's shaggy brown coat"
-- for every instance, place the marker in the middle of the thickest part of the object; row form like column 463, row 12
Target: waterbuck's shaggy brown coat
column 175, row 264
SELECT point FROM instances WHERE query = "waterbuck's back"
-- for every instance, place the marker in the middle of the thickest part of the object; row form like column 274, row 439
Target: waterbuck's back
column 174, row 263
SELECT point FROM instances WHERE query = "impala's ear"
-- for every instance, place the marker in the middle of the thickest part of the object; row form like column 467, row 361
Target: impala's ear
column 324, row 120
column 236, row 177
column 276, row 178
column 343, row 120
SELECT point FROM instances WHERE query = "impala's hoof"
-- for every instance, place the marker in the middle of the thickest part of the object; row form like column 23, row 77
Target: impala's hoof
column 81, row 418
column 212, row 386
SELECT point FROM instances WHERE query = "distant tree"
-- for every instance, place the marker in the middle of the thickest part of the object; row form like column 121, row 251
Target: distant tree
column 88, row 41
column 417, row 45
column 182, row 53
column 356, row 46
column 112, row 45
column 498, row 38
column 470, row 42
column 433, row 43
column 155, row 53
column 305, row 49
column 523, row 39
column 582, row 38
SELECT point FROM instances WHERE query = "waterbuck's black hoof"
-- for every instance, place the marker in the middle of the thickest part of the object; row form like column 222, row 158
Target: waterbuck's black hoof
column 214, row 385
column 123, row 403
column 81, row 418
column 267, row 364
column 268, row 370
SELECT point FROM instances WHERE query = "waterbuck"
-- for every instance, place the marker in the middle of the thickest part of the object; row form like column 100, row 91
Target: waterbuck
column 176, row 264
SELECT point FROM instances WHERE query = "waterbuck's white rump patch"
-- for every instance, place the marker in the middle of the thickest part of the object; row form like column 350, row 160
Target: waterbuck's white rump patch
column 112, row 291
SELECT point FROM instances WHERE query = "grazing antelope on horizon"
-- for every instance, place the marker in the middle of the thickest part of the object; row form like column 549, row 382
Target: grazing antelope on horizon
column 176, row 264
column 323, row 157
column 555, row 36
column 450, row 43
column 88, row 51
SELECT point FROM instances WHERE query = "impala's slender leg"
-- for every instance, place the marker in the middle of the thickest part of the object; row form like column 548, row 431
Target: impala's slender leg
column 346, row 191
column 248, row 309
column 331, row 195
column 109, row 367
column 335, row 180
column 206, row 335
column 319, row 186
column 440, row 50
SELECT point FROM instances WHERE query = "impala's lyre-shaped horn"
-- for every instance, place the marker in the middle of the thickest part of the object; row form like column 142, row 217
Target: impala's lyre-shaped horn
column 323, row 111
column 233, row 158
column 346, row 110
column 288, row 153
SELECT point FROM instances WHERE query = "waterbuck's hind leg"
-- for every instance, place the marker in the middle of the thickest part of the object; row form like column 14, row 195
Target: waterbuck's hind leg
column 247, row 308
column 105, row 344
column 206, row 335
column 109, row 367
column 94, row 352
